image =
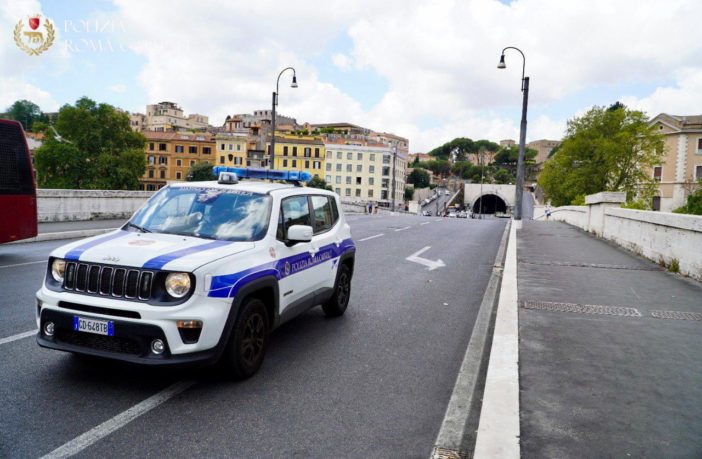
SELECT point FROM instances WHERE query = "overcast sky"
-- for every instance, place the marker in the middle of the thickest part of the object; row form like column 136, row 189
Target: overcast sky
column 425, row 70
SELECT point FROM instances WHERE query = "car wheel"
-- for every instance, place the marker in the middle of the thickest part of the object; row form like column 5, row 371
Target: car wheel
column 249, row 340
column 339, row 301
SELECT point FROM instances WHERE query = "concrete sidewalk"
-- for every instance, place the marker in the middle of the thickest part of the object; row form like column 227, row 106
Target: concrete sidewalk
column 621, row 378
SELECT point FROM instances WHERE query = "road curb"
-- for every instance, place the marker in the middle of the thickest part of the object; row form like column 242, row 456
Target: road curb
column 452, row 440
column 498, row 429
column 65, row 235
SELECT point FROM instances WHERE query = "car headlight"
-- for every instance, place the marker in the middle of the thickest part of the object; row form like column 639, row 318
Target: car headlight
column 178, row 284
column 58, row 269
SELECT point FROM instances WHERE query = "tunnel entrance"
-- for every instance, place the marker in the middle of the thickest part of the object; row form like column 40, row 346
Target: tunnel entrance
column 491, row 204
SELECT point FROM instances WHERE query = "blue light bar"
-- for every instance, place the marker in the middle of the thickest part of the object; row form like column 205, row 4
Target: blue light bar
column 264, row 174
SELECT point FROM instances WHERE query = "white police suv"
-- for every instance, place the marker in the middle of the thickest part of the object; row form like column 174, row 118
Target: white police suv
column 201, row 273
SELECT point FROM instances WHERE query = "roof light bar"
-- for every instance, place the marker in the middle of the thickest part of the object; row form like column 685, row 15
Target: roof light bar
column 264, row 174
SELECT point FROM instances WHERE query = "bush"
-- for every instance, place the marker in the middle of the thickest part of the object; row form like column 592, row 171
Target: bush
column 693, row 205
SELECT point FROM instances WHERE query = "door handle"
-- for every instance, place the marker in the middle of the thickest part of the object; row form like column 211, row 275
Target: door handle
column 313, row 251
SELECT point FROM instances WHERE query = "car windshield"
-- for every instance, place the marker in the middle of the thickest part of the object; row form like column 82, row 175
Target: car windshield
column 210, row 213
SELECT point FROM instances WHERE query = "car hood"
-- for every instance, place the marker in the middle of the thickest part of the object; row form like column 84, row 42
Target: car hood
column 150, row 250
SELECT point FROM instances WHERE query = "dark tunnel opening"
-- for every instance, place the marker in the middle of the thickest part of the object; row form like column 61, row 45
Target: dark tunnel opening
column 490, row 204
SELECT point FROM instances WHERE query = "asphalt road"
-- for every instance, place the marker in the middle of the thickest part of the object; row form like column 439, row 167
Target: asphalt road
column 440, row 202
column 373, row 383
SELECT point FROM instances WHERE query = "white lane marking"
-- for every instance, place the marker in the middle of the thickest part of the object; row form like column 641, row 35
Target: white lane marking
column 371, row 237
column 402, row 229
column 437, row 220
column 81, row 442
column 430, row 264
column 425, row 223
column 23, row 264
column 498, row 430
column 12, row 338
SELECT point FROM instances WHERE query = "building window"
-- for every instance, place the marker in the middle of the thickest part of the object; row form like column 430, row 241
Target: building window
column 337, row 190
column 339, row 155
column 371, row 181
column 316, row 152
column 151, row 145
column 294, row 151
column 308, row 152
column 192, row 162
column 327, row 179
column 348, row 191
column 192, row 149
column 359, row 156
column 372, row 157
column 162, row 160
column 221, row 160
column 370, row 193
column 152, row 160
column 359, row 168
column 698, row 173
column 656, row 204
column 294, row 163
column 163, row 174
column 358, row 180
column 358, row 192
column 221, row 147
column 206, row 150
column 150, row 187
column 657, row 173
column 699, row 146
column 328, row 166
column 316, row 165
column 307, row 164
column 238, row 147
column 151, row 173
column 179, row 149
column 161, row 147
column 371, row 169
column 338, row 179
column 285, row 150
column 231, row 147
column 329, row 153
column 238, row 161
column 178, row 175
column 338, row 167
column 179, row 162
column 349, row 155
column 349, row 168
column 285, row 163
column 348, row 180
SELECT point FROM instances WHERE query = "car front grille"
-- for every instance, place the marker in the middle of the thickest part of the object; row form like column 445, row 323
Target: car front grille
column 117, row 344
column 108, row 281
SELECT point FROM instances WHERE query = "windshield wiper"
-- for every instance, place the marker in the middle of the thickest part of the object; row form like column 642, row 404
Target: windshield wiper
column 143, row 230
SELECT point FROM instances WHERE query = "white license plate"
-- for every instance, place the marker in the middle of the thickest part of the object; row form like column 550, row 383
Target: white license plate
column 99, row 327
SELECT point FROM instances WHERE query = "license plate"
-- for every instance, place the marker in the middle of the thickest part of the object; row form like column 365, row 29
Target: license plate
column 99, row 327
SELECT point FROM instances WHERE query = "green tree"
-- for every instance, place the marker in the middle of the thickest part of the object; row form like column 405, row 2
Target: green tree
column 26, row 112
column 110, row 154
column 693, row 205
column 409, row 193
column 419, row 178
column 607, row 149
column 200, row 172
column 437, row 166
column 318, row 182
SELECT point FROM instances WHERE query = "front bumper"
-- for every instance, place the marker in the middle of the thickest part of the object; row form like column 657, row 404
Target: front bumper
column 135, row 327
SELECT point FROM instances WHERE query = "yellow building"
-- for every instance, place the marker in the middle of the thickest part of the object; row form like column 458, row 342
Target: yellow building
column 169, row 156
column 231, row 149
column 299, row 153
column 681, row 168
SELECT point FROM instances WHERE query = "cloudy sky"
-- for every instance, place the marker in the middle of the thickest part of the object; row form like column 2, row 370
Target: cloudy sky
column 422, row 69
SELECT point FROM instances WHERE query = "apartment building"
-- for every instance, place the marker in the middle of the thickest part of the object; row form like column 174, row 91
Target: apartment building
column 681, row 168
column 363, row 172
column 543, row 148
column 169, row 155
column 167, row 116
column 231, row 149
column 301, row 153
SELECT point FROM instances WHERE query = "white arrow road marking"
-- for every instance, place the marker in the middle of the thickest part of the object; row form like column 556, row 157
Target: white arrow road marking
column 402, row 229
column 425, row 223
column 371, row 237
column 430, row 264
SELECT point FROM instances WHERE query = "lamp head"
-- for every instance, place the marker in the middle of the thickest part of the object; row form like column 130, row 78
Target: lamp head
column 294, row 82
column 502, row 65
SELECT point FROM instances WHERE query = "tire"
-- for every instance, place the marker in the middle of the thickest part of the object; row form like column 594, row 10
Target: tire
column 248, row 342
column 337, row 304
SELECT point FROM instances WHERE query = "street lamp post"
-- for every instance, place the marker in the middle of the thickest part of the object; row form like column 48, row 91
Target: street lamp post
column 394, row 156
column 275, row 103
column 522, row 133
column 482, row 167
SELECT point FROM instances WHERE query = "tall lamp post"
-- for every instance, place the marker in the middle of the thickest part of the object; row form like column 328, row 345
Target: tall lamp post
column 275, row 103
column 394, row 157
column 522, row 133
column 482, row 168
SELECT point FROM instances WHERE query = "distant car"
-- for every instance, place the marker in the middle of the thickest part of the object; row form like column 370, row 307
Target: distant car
column 452, row 214
column 462, row 214
column 447, row 193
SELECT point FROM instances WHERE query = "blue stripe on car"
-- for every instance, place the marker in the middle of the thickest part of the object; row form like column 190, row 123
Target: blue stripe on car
column 159, row 261
column 76, row 252
column 227, row 285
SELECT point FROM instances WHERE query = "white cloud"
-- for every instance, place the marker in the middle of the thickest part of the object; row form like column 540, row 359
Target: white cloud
column 684, row 98
column 438, row 58
column 119, row 88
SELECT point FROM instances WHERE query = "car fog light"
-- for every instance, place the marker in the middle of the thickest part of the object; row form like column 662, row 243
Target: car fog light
column 157, row 346
column 49, row 329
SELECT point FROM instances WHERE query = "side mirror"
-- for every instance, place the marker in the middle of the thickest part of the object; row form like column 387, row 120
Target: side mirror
column 299, row 233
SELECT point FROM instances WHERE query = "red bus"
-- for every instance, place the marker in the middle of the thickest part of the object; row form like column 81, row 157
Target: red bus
column 18, row 196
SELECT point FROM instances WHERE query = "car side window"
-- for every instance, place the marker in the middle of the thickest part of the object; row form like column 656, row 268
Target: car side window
column 323, row 218
column 294, row 210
